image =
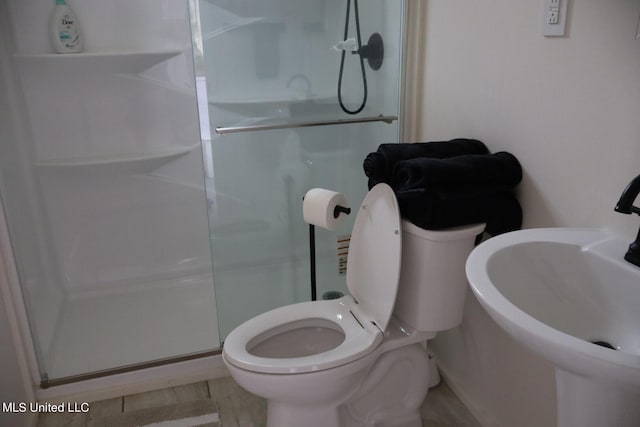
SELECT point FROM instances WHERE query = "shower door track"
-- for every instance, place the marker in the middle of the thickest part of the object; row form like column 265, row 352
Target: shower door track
column 46, row 382
column 221, row 130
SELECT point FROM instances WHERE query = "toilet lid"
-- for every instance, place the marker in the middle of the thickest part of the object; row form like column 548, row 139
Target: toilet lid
column 373, row 264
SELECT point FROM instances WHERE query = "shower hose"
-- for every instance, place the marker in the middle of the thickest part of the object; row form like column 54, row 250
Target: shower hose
column 364, row 75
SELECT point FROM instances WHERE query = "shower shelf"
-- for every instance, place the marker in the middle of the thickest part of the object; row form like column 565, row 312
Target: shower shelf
column 95, row 62
column 136, row 162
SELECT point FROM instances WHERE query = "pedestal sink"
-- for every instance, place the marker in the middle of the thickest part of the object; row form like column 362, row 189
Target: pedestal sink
column 568, row 295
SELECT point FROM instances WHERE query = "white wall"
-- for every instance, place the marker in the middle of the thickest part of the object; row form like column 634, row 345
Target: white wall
column 568, row 108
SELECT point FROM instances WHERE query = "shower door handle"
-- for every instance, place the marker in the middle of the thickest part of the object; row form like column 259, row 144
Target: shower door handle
column 222, row 130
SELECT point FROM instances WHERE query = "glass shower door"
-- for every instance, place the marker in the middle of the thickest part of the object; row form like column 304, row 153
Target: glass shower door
column 268, row 74
column 102, row 188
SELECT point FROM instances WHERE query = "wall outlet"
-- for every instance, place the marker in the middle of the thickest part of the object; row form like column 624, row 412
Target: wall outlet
column 554, row 18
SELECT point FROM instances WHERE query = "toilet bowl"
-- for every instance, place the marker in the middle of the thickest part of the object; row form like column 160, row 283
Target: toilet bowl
column 348, row 361
column 304, row 337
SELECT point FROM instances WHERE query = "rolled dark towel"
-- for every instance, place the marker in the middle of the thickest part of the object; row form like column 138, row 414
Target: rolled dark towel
column 473, row 172
column 378, row 166
column 500, row 210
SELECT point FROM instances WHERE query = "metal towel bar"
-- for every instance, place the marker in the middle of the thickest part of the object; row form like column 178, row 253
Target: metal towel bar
column 221, row 130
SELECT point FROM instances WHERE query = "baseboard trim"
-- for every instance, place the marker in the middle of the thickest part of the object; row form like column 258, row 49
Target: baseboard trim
column 482, row 416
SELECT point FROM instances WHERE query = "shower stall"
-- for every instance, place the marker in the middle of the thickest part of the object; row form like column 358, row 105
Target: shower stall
column 152, row 185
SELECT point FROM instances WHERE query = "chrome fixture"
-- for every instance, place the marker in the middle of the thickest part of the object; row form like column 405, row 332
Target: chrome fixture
column 222, row 130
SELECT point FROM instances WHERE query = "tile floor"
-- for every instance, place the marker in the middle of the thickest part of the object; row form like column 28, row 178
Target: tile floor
column 235, row 407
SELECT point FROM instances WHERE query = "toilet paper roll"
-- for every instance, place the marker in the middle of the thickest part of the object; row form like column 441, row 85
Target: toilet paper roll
column 318, row 207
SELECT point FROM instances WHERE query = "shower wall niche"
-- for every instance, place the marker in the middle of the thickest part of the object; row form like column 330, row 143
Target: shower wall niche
column 113, row 170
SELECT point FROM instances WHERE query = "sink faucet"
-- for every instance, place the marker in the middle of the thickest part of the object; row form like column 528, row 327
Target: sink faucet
column 625, row 206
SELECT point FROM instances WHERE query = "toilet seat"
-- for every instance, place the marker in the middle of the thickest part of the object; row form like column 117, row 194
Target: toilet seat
column 359, row 338
column 373, row 272
column 375, row 255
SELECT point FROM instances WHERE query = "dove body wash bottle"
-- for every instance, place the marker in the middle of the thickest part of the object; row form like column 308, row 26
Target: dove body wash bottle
column 65, row 31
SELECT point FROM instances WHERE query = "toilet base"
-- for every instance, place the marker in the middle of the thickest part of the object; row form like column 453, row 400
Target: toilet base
column 286, row 414
column 389, row 395
column 392, row 393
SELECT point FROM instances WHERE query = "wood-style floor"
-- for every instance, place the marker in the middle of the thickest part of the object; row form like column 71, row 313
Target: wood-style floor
column 235, row 408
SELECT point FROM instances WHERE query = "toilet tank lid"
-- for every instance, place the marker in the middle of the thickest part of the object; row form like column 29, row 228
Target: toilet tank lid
column 373, row 263
column 453, row 233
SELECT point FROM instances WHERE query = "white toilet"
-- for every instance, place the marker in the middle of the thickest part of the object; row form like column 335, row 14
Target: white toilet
column 359, row 360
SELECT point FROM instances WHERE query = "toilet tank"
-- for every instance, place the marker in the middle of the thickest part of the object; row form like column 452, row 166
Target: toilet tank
column 433, row 283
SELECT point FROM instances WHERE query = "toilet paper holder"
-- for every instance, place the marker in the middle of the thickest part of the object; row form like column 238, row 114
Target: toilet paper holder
column 312, row 249
column 340, row 209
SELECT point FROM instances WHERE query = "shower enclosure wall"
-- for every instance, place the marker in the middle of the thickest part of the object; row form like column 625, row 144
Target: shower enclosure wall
column 119, row 192
column 104, row 195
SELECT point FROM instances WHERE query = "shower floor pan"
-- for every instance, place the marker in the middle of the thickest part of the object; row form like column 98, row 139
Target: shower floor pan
column 102, row 332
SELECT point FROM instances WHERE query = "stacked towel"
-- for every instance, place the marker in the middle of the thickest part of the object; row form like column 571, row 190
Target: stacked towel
column 379, row 166
column 500, row 210
column 480, row 171
column 443, row 186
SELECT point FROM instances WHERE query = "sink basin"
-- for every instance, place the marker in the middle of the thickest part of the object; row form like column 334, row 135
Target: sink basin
column 568, row 295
